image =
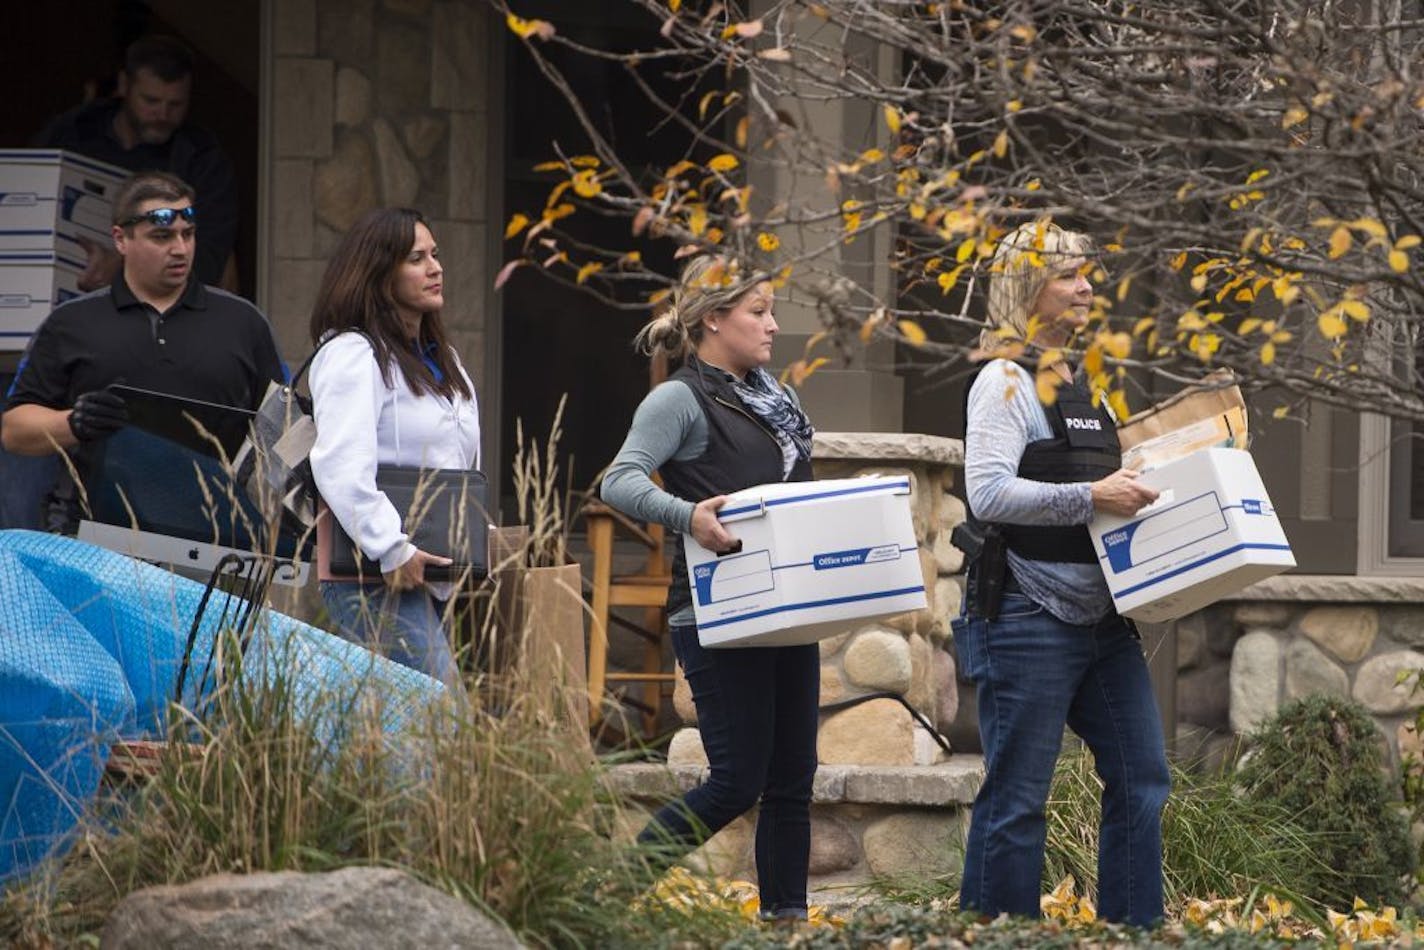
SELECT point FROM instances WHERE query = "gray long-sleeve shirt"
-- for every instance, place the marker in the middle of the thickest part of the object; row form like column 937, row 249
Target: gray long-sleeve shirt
column 669, row 425
column 1004, row 416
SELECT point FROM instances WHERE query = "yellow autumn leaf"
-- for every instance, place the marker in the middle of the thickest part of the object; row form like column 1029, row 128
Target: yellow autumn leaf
column 704, row 102
column 586, row 183
column 674, row 5
column 740, row 135
column 912, row 331
column 892, row 119
column 585, row 161
column 587, row 271
column 1331, row 326
column 1199, row 282
column 524, row 29
column 1248, row 325
column 517, row 222
column 867, row 329
column 1406, row 242
column 549, row 166
column 768, row 241
column 965, row 250
column 1001, row 144
column 697, row 220
column 1118, row 345
column 1047, row 384
column 723, row 163
column 1178, row 262
column 1370, row 226
column 1117, row 402
column 1398, row 261
column 1143, row 325
column 1340, row 242
column 1295, row 115
column 1355, row 309
column 947, row 280
column 1268, row 353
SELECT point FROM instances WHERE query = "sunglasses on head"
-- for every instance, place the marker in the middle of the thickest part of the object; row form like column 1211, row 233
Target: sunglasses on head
column 161, row 217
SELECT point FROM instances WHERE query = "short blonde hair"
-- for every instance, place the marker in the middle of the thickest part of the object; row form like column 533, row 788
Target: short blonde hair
column 1025, row 260
column 709, row 283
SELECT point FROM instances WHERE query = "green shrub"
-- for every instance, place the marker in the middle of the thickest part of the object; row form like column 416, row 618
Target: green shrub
column 1320, row 760
column 1215, row 842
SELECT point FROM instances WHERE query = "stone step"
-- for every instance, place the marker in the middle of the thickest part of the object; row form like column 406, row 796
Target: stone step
column 953, row 783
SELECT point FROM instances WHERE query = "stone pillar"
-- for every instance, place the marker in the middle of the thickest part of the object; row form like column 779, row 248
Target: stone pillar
column 373, row 103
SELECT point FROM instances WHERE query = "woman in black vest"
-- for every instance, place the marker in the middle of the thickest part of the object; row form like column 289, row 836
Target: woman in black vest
column 1052, row 651
column 721, row 423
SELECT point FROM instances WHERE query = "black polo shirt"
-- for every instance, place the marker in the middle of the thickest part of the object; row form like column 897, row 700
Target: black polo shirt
column 210, row 345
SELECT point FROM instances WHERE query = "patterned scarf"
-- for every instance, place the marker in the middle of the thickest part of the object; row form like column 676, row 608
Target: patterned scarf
column 763, row 395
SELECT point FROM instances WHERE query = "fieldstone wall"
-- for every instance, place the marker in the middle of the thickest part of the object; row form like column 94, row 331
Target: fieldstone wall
column 888, row 800
column 378, row 103
column 1240, row 660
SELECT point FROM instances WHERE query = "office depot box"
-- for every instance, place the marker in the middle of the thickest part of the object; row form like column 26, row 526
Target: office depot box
column 32, row 283
column 1212, row 532
column 814, row 555
column 49, row 199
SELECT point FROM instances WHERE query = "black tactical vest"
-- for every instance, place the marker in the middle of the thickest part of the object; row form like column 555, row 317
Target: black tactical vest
column 741, row 452
column 1084, row 448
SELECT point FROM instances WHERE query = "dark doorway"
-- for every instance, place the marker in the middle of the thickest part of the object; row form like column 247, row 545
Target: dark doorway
column 71, row 51
column 557, row 339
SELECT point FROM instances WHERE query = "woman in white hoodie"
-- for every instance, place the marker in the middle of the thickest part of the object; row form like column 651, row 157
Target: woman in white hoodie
column 386, row 387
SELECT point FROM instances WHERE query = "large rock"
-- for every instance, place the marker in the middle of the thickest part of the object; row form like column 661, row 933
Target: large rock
column 879, row 659
column 1404, row 625
column 1204, row 698
column 353, row 96
column 1310, row 671
column 946, row 689
column 922, row 679
column 1347, row 633
column 1191, row 640
column 399, row 179
column 728, row 852
column 682, row 702
column 833, row 684
column 1263, row 613
column 686, row 748
column 352, row 907
column 345, row 185
column 949, row 511
column 897, row 446
column 1255, row 681
column 1378, row 687
column 833, row 846
column 878, row 732
column 948, row 558
column 919, row 843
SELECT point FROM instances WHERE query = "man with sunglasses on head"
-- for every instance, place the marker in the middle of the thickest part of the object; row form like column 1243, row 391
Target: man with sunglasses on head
column 156, row 327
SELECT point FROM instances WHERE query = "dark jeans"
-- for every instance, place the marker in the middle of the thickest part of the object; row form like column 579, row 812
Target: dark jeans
column 757, row 712
column 1035, row 674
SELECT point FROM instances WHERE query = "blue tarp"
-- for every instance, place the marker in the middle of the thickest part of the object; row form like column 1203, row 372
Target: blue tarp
column 90, row 647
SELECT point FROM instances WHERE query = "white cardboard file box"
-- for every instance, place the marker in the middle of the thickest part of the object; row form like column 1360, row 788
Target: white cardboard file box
column 1212, row 532
column 814, row 555
column 49, row 199
column 32, row 283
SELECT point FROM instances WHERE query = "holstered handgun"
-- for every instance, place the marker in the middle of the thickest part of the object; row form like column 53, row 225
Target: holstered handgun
column 987, row 552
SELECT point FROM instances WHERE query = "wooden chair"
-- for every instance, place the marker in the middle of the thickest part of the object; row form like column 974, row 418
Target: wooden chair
column 646, row 589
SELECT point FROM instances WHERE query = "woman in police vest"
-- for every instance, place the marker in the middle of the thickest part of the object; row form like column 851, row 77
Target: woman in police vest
column 1053, row 651
column 719, row 424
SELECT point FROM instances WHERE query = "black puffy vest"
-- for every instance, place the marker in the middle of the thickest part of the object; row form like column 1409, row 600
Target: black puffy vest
column 741, row 452
column 1084, row 448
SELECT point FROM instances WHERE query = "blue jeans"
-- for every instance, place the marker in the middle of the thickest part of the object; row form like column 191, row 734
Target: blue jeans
column 757, row 710
column 1035, row 674
column 403, row 626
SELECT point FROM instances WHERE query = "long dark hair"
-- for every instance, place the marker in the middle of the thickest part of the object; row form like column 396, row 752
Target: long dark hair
column 356, row 294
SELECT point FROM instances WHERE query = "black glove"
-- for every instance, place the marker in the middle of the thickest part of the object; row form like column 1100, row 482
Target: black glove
column 97, row 414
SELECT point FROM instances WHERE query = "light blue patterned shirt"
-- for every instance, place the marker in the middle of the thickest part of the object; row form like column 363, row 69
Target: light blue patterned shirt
column 1004, row 416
